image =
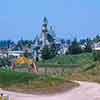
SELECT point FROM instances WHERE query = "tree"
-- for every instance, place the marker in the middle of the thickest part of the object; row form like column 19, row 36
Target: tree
column 97, row 39
column 88, row 45
column 68, row 42
column 75, row 48
column 5, row 61
column 82, row 41
column 96, row 55
column 48, row 52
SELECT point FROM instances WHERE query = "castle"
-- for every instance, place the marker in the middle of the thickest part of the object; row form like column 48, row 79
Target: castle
column 46, row 38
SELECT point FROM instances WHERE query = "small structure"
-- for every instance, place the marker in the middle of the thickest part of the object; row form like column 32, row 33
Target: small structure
column 96, row 46
column 24, row 60
column 15, row 54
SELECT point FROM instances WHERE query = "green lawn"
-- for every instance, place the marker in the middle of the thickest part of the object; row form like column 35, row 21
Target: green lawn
column 29, row 83
column 71, row 59
column 88, row 69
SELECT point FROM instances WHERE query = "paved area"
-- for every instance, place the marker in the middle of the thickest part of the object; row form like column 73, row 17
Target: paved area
column 86, row 91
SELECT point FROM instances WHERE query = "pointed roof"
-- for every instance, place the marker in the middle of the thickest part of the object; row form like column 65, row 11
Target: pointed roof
column 45, row 20
column 23, row 60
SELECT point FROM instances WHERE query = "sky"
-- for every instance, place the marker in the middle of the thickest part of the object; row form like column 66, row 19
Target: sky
column 71, row 18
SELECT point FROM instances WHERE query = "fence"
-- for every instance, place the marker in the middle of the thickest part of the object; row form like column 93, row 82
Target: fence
column 49, row 69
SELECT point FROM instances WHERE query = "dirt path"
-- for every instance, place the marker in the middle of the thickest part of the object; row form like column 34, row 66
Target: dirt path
column 86, row 91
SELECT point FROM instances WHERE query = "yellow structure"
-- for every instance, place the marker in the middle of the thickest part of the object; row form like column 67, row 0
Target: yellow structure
column 4, row 98
column 23, row 60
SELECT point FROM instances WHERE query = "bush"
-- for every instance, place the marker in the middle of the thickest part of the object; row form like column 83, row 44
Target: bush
column 48, row 52
column 75, row 48
column 5, row 61
column 8, row 78
column 96, row 55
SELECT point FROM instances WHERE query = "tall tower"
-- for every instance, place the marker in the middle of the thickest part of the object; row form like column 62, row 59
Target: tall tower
column 45, row 31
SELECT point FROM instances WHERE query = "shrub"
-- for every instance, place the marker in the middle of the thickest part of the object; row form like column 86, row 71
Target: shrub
column 96, row 55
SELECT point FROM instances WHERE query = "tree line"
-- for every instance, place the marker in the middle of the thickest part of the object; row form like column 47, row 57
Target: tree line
column 74, row 47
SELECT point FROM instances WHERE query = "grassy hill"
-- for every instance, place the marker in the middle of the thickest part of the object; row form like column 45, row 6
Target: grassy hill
column 32, row 83
column 71, row 59
column 88, row 70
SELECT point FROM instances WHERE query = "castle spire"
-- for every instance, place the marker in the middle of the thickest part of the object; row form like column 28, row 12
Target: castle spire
column 44, row 30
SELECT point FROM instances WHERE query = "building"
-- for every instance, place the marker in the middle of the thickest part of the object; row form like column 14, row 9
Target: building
column 15, row 54
column 96, row 46
column 47, row 37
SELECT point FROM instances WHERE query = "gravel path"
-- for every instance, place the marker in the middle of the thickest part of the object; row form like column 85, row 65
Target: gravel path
column 86, row 91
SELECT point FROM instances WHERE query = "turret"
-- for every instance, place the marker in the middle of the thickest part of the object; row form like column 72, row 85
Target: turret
column 45, row 31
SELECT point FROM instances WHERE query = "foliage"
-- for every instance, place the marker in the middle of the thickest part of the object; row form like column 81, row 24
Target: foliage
column 75, row 48
column 48, row 52
column 96, row 55
column 88, row 45
column 97, row 39
column 4, row 62
column 82, row 41
column 6, row 43
column 9, row 78
column 79, row 59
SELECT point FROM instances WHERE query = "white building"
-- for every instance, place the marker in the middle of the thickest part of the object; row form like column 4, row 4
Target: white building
column 96, row 46
column 16, row 54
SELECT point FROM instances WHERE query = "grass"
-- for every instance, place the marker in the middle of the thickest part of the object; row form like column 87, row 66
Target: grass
column 88, row 70
column 29, row 83
column 70, row 59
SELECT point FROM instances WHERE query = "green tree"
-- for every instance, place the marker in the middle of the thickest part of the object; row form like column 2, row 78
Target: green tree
column 68, row 42
column 88, row 45
column 97, row 39
column 82, row 41
column 48, row 52
column 75, row 48
column 96, row 55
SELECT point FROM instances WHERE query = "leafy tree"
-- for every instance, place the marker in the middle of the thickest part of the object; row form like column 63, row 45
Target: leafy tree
column 97, row 39
column 4, row 62
column 24, row 43
column 82, row 41
column 75, row 48
column 68, row 42
column 48, row 52
column 88, row 45
column 6, row 43
column 96, row 55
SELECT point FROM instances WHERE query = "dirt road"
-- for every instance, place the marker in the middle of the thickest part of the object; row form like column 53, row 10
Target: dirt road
column 86, row 91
